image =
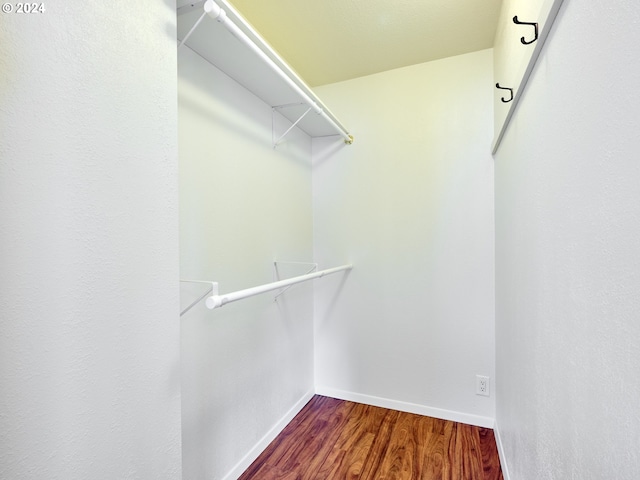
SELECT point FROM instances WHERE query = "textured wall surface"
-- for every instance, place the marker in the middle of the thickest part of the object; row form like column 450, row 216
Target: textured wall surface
column 568, row 255
column 242, row 205
column 89, row 336
column 410, row 203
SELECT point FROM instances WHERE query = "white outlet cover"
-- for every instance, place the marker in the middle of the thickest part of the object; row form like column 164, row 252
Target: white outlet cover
column 482, row 385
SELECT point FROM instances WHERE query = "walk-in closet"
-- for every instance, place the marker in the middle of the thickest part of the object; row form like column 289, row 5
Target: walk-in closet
column 214, row 268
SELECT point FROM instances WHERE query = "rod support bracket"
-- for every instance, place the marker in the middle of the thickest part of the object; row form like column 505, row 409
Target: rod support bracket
column 349, row 140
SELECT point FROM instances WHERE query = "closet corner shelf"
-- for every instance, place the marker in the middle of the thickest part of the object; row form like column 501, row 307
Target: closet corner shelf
column 219, row 34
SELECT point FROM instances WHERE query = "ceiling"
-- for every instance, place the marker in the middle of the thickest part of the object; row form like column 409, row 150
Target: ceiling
column 327, row 41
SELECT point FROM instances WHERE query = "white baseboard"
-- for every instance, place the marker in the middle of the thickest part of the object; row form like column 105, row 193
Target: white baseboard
column 264, row 442
column 477, row 420
column 503, row 458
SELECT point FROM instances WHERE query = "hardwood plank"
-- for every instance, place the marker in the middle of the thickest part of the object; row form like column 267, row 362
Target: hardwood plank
column 403, row 458
column 434, row 455
column 307, row 450
column 490, row 457
column 318, row 451
column 467, row 463
column 449, row 468
column 285, row 447
column 334, row 440
column 350, row 451
column 379, row 447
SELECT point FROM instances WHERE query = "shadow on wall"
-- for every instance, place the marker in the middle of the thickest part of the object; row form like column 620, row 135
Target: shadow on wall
column 334, row 298
column 329, row 151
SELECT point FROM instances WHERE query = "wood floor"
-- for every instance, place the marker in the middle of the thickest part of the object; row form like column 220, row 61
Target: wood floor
column 334, row 439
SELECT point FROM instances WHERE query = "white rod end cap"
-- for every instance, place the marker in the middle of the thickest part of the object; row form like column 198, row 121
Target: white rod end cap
column 213, row 302
column 214, row 10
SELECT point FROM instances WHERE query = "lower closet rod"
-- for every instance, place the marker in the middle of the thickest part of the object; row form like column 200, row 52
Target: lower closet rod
column 216, row 301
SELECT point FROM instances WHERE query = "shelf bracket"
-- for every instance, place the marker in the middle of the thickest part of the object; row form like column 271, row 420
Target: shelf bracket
column 273, row 122
column 213, row 291
column 276, row 274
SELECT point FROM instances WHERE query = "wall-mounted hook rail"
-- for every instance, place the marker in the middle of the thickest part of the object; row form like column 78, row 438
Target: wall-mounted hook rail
column 505, row 88
column 533, row 24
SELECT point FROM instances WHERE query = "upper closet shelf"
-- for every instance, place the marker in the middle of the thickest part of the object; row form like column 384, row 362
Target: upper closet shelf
column 218, row 33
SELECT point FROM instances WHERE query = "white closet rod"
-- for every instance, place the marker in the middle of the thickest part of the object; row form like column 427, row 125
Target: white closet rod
column 214, row 11
column 216, row 301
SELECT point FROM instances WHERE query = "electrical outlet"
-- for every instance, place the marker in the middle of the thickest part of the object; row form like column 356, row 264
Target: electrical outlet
column 482, row 385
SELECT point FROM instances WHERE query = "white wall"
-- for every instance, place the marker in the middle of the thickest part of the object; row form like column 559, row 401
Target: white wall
column 89, row 343
column 568, row 255
column 410, row 203
column 242, row 205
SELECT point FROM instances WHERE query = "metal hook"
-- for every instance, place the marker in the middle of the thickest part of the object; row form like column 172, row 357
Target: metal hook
column 535, row 26
column 505, row 88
